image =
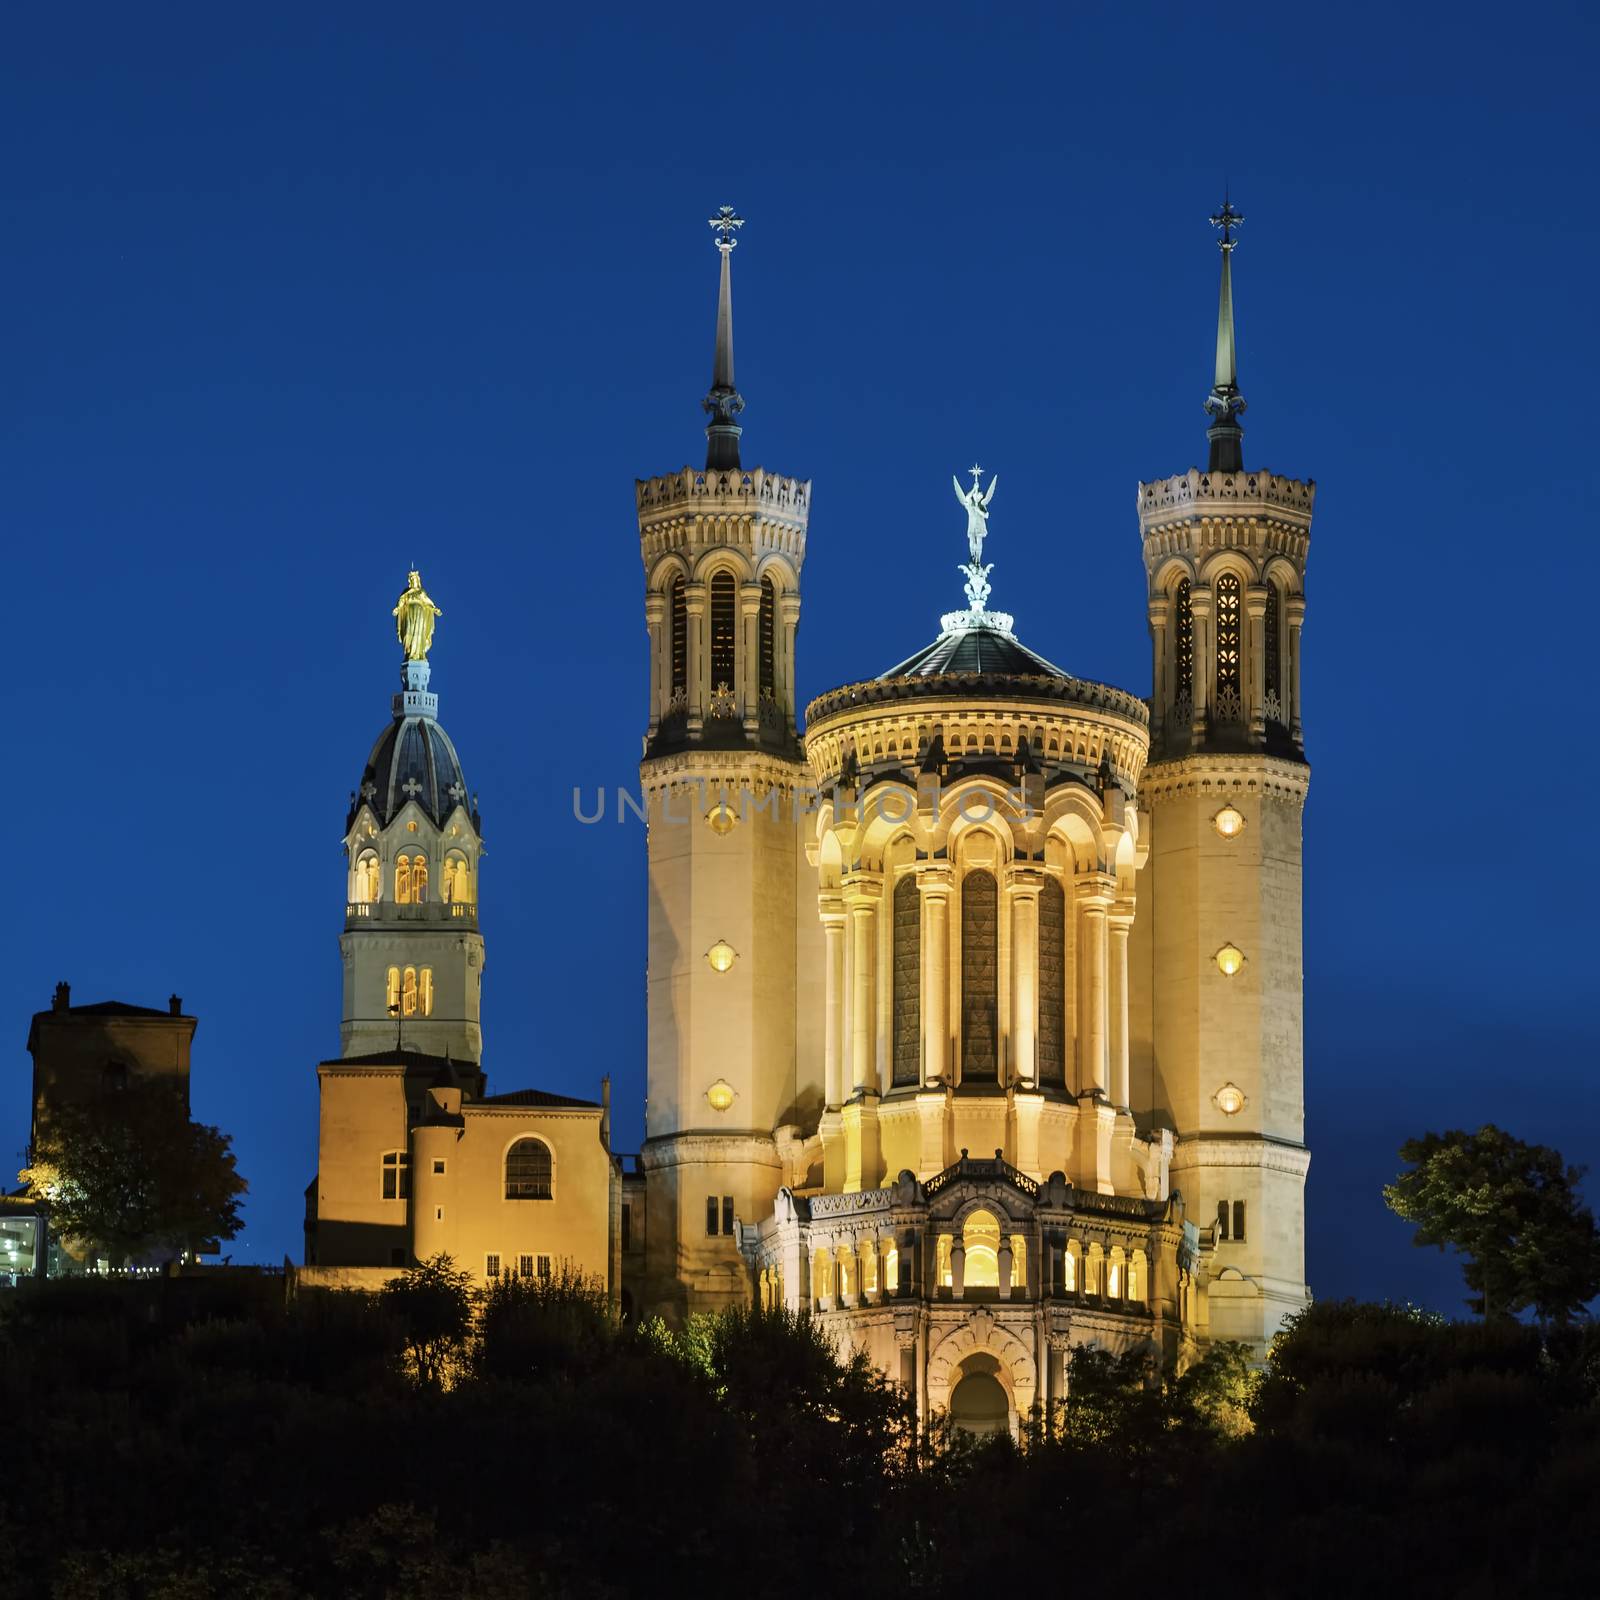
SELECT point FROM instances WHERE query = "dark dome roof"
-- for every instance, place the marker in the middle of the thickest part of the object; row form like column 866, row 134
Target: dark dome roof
column 970, row 650
column 413, row 760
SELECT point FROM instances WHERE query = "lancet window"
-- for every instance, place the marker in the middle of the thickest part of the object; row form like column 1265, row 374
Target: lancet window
column 1182, row 651
column 678, row 620
column 1273, row 676
column 769, row 629
column 411, row 880
column 1052, row 982
column 1230, row 654
column 723, row 629
column 457, row 881
column 980, row 971
column 410, row 991
column 907, row 982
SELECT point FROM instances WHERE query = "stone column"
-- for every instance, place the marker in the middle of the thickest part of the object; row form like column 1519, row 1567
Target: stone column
column 694, row 606
column 783, row 669
column 748, row 670
column 1295, row 615
column 862, row 894
column 958, row 1268
column 1255, row 608
column 1004, row 1258
column 1023, row 884
column 935, row 882
column 831, row 909
column 1094, row 890
column 1205, row 666
column 655, row 612
column 1160, row 607
column 905, row 1337
column 1120, row 924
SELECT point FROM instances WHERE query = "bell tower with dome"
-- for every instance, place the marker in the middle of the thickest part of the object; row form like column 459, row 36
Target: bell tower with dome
column 722, row 547
column 413, row 956
column 1218, row 1008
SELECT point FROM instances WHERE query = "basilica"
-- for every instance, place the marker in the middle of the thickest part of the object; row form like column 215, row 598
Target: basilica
column 974, row 996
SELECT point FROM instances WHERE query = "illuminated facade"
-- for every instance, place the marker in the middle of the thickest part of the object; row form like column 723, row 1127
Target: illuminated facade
column 975, row 1008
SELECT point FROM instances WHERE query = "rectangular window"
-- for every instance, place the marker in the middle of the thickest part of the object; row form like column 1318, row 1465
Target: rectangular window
column 524, row 1266
column 1238, row 1221
column 544, row 1269
column 491, row 1266
column 438, row 1168
column 396, row 1176
column 627, row 1227
column 711, row 1216
column 1222, row 1219
column 727, row 1213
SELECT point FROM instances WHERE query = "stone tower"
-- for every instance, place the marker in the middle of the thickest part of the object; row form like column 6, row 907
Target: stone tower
column 1217, row 992
column 413, row 956
column 722, row 548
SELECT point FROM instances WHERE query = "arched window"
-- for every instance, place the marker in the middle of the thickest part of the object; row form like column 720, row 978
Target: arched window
column 679, row 613
column 1273, row 675
column 457, row 881
column 769, row 620
column 981, row 1237
column 419, row 879
column 367, row 880
column 1229, row 706
column 980, row 968
column 408, row 993
column 1182, row 652
column 907, row 982
column 528, row 1170
column 394, row 990
column 1052, row 982
column 425, row 991
column 723, row 627
column 402, row 881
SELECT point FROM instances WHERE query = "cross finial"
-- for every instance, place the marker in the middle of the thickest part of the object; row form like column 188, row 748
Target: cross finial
column 727, row 223
column 1228, row 220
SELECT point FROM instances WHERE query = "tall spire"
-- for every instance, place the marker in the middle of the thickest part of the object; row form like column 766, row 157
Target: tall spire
column 1225, row 402
column 724, row 402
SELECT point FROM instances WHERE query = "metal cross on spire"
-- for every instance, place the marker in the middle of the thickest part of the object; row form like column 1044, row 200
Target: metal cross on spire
column 727, row 223
column 1228, row 220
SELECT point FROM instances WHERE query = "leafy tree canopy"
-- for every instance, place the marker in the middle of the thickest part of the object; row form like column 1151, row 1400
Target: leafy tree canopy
column 1513, row 1210
column 130, row 1173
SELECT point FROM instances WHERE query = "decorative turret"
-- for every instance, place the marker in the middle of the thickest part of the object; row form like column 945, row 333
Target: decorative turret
column 722, row 553
column 1225, row 403
column 413, row 957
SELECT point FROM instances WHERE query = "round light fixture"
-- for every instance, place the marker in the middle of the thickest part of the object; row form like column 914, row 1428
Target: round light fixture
column 722, row 956
column 722, row 819
column 1230, row 958
column 1229, row 822
column 720, row 1095
column 1229, row 1099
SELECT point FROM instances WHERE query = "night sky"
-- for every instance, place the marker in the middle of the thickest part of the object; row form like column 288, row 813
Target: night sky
column 297, row 296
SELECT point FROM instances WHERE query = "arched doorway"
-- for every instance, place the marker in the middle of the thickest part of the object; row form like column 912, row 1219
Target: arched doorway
column 979, row 1404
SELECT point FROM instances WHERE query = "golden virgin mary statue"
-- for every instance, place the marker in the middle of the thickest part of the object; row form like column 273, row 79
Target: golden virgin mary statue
column 413, row 619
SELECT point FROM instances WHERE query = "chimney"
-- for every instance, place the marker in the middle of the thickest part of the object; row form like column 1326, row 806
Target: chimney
column 605, row 1111
column 63, row 998
column 175, row 1004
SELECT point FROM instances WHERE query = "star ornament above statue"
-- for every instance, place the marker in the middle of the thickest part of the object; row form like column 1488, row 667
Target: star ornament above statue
column 414, row 615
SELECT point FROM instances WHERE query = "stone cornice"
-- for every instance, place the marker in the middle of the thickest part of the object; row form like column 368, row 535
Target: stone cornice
column 1223, row 775
column 1227, row 495
column 755, row 769
column 750, row 1149
column 1240, row 1150
column 977, row 692
column 477, row 1108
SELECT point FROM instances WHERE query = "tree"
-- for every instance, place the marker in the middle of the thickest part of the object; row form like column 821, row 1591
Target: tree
column 1512, row 1209
column 432, row 1305
column 129, row 1172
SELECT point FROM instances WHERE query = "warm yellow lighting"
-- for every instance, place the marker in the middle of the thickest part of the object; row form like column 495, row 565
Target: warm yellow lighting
column 1230, row 958
column 722, row 819
column 411, row 827
column 1229, row 1099
column 720, row 1095
column 722, row 956
column 1229, row 822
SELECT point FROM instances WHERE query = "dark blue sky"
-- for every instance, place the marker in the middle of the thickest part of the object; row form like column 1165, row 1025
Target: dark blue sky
column 293, row 298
